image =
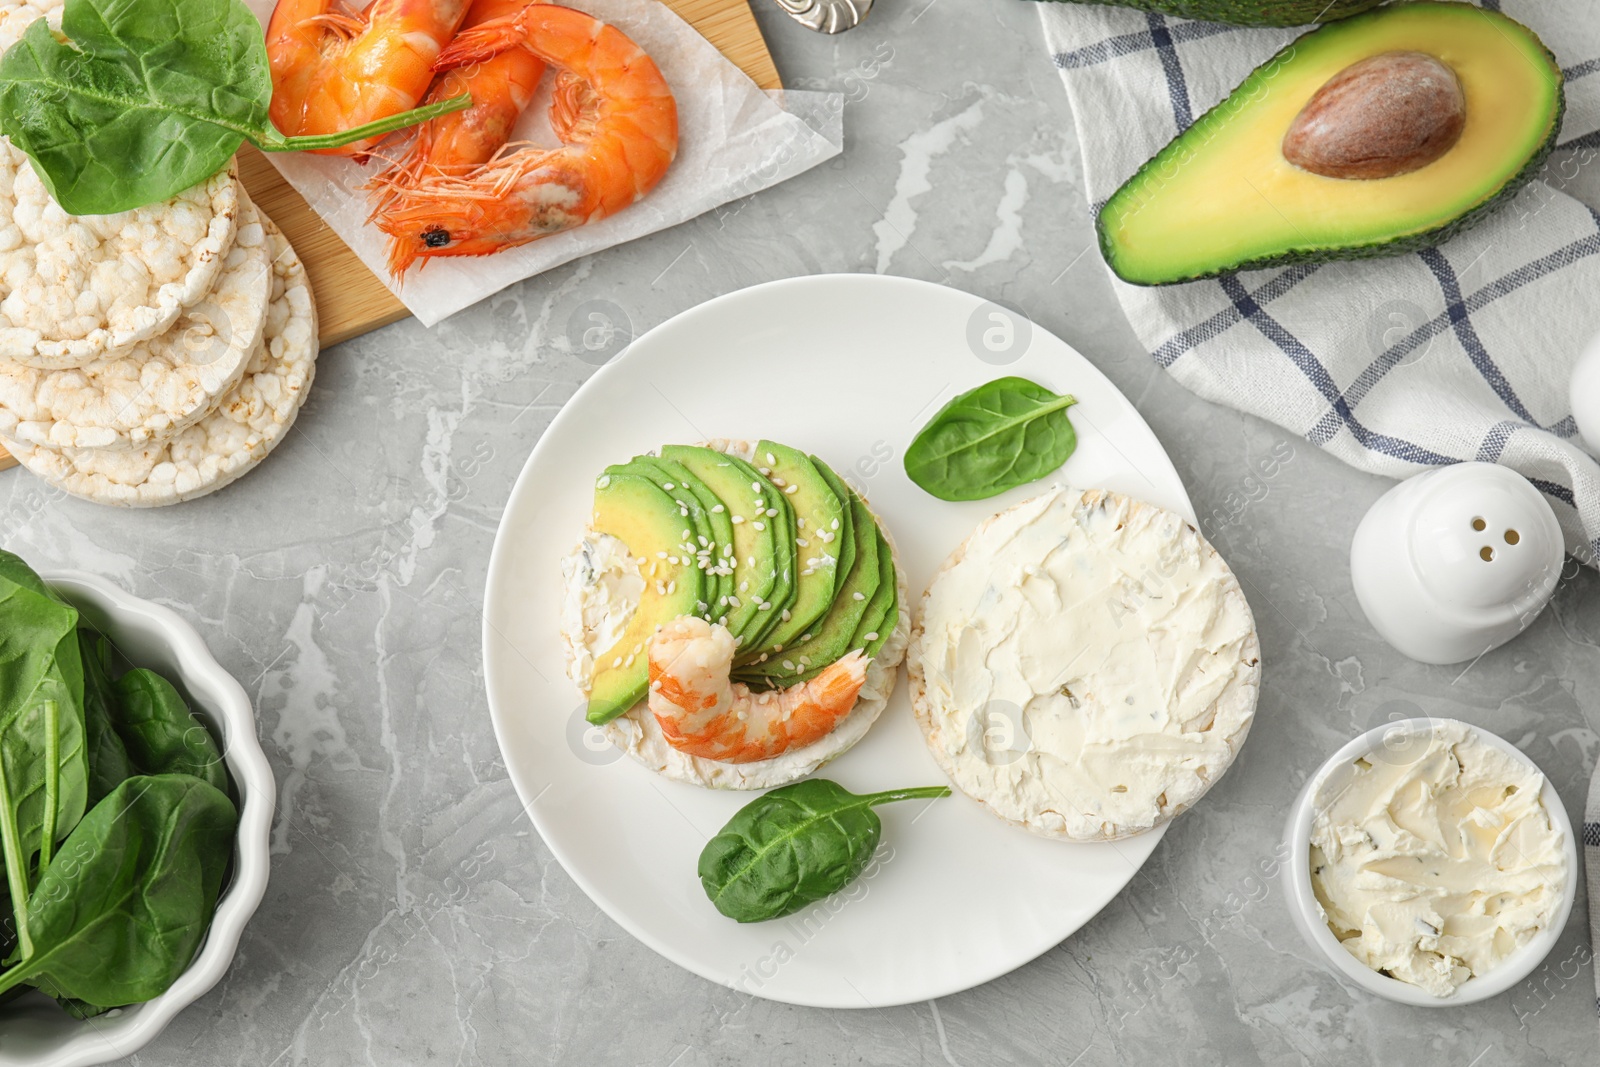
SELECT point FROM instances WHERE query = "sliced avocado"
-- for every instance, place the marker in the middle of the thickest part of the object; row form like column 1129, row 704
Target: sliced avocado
column 830, row 637
column 1224, row 197
column 819, row 518
column 1251, row 12
column 883, row 611
column 642, row 516
column 711, row 530
column 761, row 550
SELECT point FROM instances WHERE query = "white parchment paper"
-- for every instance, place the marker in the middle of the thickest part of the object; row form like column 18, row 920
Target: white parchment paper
column 734, row 140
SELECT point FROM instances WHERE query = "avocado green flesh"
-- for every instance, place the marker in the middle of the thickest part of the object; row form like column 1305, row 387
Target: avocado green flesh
column 644, row 517
column 829, row 637
column 705, row 538
column 1250, row 12
column 1222, row 198
column 757, row 577
column 883, row 611
column 816, row 507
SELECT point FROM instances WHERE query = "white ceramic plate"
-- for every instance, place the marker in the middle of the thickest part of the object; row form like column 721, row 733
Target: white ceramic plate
column 849, row 367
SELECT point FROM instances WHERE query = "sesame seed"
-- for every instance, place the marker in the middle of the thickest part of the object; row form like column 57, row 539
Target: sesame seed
column 788, row 665
column 777, row 648
column 772, row 459
column 605, row 480
column 668, row 486
column 733, row 600
column 617, row 662
column 674, row 560
column 802, row 542
column 772, row 513
column 804, row 663
column 655, row 686
column 718, row 510
column 703, row 540
column 763, row 658
column 765, row 605
column 750, row 561
column 801, row 523
column 872, row 636
column 805, row 637
column 858, row 596
column 683, row 511
column 744, row 587
column 792, row 489
column 759, row 525
column 755, row 487
column 785, row 615
column 628, row 662
column 737, row 519
column 727, row 550
column 764, row 471
column 779, row 482
column 661, row 555
column 835, row 524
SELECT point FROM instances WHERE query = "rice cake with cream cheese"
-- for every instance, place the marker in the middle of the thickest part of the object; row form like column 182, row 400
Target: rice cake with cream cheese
column 639, row 734
column 226, row 444
column 1085, row 665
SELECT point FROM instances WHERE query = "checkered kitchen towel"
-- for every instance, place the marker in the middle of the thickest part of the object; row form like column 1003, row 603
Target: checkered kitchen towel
column 1459, row 353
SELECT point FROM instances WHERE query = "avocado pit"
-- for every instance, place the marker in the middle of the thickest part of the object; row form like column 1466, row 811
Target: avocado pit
column 1383, row 116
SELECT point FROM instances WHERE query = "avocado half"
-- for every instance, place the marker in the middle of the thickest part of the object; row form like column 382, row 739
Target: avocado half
column 1222, row 197
column 1251, row 12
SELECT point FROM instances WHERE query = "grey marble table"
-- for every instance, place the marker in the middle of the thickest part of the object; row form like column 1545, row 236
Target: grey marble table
column 414, row 916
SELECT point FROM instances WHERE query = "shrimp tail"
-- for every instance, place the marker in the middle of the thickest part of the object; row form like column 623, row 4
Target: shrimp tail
column 702, row 714
column 481, row 42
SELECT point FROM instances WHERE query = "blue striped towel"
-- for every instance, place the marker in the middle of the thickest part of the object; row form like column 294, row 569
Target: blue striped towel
column 1462, row 352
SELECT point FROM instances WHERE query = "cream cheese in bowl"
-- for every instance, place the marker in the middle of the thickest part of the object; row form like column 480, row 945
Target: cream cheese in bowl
column 1435, row 855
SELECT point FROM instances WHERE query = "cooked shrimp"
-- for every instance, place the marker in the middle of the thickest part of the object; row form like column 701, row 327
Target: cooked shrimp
column 704, row 714
column 333, row 71
column 612, row 112
column 452, row 145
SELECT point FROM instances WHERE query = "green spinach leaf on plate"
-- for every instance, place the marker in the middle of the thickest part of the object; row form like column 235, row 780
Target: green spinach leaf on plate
column 793, row 846
column 1003, row 434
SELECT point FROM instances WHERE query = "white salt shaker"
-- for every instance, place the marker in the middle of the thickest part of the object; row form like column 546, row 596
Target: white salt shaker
column 1455, row 561
column 1586, row 395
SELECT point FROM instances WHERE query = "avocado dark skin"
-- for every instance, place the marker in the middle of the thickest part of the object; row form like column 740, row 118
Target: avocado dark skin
column 1249, row 12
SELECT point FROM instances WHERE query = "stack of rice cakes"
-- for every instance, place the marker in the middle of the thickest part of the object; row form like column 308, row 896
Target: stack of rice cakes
column 148, row 357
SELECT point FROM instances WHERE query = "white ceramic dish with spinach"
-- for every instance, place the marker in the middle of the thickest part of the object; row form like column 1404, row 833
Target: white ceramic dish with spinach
column 33, row 1031
column 849, row 367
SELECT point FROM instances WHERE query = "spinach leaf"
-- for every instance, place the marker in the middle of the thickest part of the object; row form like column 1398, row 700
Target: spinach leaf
column 1003, row 434
column 43, row 768
column 161, row 735
column 120, row 913
column 108, row 758
column 145, row 100
column 794, row 846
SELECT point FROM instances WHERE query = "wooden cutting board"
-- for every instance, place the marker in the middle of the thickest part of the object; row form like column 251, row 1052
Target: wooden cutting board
column 350, row 300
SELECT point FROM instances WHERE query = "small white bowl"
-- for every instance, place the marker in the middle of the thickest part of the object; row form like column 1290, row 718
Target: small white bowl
column 1310, row 920
column 36, row 1033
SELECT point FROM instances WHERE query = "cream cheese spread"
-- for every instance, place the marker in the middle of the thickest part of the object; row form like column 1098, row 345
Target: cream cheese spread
column 1086, row 665
column 1433, row 865
column 603, row 584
